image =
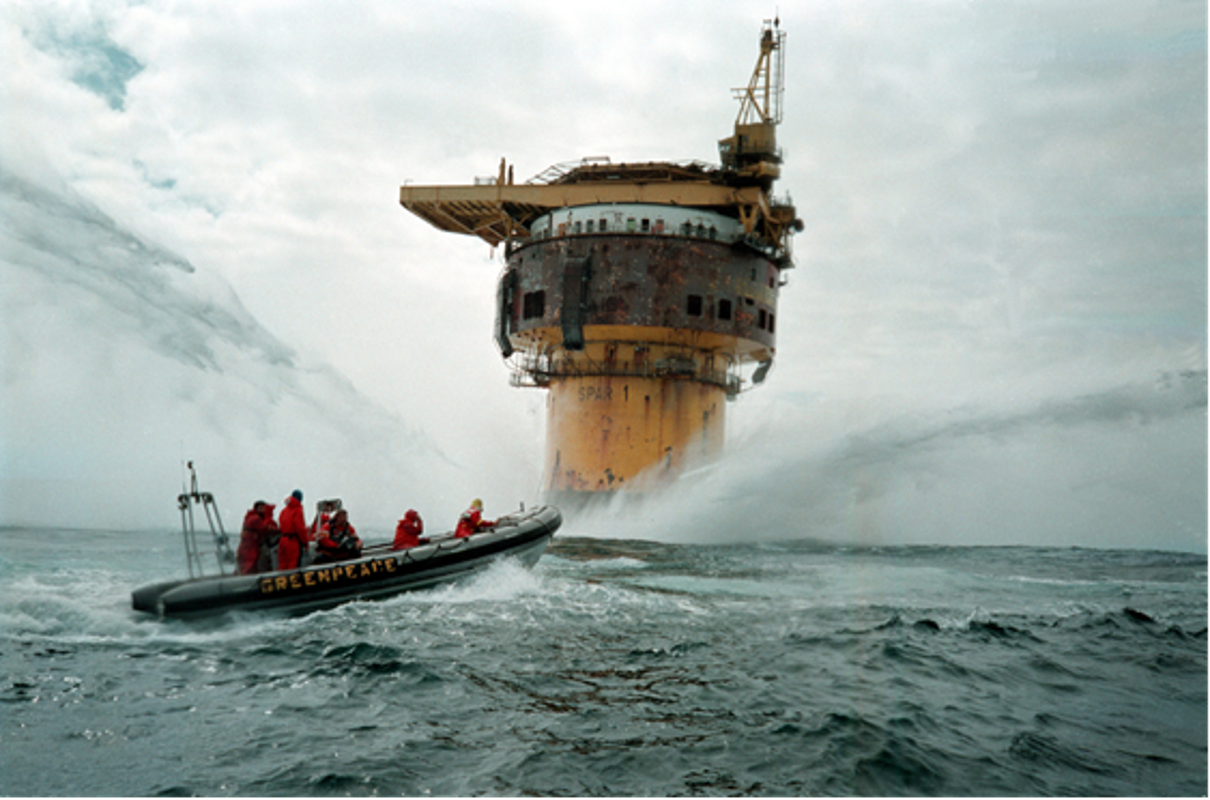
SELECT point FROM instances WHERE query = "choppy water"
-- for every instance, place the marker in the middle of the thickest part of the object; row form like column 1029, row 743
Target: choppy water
column 618, row 668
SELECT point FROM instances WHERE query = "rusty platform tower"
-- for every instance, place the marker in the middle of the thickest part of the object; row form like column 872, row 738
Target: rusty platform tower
column 637, row 294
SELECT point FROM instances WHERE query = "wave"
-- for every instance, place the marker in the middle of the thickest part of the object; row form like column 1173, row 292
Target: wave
column 1121, row 466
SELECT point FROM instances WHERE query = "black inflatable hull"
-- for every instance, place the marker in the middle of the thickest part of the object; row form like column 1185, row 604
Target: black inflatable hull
column 377, row 574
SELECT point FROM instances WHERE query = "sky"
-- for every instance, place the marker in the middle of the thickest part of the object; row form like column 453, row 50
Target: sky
column 995, row 332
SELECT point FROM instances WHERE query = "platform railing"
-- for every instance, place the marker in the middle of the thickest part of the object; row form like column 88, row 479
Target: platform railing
column 538, row 370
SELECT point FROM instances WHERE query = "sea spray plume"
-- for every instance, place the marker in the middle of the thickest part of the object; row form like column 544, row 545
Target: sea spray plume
column 1092, row 469
column 121, row 358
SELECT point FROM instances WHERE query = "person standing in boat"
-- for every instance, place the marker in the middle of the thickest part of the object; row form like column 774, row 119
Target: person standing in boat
column 258, row 523
column 407, row 532
column 472, row 521
column 268, row 542
column 294, row 534
column 340, row 542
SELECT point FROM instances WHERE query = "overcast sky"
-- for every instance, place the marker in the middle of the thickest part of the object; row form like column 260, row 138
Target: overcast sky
column 996, row 331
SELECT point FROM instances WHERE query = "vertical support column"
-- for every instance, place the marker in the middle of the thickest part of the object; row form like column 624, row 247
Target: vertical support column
column 607, row 433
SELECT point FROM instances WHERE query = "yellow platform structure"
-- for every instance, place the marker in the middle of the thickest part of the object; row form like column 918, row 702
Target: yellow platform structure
column 636, row 294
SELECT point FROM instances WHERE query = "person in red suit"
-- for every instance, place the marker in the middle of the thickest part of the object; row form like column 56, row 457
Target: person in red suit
column 407, row 532
column 472, row 521
column 340, row 542
column 294, row 534
column 258, row 529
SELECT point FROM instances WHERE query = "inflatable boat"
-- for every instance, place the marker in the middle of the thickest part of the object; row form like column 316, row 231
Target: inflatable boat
column 379, row 572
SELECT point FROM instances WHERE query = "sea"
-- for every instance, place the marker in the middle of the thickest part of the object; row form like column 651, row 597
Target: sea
column 617, row 667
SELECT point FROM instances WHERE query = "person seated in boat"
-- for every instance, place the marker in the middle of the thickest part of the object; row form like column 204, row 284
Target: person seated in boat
column 407, row 532
column 340, row 542
column 253, row 539
column 472, row 521
column 295, row 536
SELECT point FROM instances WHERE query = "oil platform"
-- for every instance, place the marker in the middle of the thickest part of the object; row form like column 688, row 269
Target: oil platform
column 638, row 295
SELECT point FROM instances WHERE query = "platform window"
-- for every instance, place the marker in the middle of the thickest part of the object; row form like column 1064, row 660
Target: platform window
column 602, row 226
column 533, row 305
column 770, row 322
column 659, row 226
column 645, row 226
column 588, row 226
column 713, row 232
column 761, row 318
column 631, row 224
column 695, row 305
column 576, row 229
column 724, row 309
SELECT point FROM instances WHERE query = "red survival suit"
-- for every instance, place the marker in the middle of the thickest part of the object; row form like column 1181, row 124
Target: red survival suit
column 294, row 534
column 472, row 521
column 340, row 542
column 407, row 532
column 258, row 528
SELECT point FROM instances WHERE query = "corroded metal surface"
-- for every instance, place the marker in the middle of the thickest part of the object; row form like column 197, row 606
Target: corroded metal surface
column 643, row 281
